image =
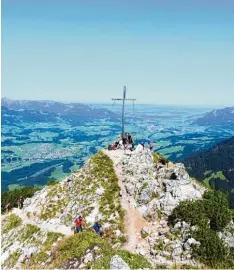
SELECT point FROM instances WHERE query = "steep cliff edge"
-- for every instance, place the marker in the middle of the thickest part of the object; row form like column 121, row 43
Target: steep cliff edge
column 131, row 194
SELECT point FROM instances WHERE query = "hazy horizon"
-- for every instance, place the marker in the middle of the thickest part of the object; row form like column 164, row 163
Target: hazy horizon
column 166, row 52
column 126, row 104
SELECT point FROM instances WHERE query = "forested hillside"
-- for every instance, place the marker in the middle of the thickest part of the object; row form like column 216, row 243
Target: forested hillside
column 215, row 167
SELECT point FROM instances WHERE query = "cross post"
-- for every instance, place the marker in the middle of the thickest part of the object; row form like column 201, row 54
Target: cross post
column 123, row 107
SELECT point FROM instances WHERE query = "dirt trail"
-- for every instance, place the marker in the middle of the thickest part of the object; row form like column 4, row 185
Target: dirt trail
column 44, row 225
column 133, row 219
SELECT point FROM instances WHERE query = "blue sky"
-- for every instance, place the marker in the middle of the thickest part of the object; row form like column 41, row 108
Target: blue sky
column 165, row 51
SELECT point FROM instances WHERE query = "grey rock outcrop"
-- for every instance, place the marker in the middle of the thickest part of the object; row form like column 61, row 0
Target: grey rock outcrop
column 155, row 190
column 118, row 263
column 227, row 235
column 145, row 182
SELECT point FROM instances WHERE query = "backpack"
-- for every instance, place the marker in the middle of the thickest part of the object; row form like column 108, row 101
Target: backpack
column 78, row 222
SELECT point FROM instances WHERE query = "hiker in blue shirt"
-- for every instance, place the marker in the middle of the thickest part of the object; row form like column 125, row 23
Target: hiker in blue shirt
column 97, row 227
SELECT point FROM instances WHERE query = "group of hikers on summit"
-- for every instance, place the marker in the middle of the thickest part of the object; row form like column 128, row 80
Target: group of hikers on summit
column 127, row 142
column 123, row 142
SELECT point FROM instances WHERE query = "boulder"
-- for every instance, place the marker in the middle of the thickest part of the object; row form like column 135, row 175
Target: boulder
column 143, row 210
column 163, row 231
column 141, row 249
column 145, row 231
column 100, row 191
column 163, row 223
column 88, row 258
column 177, row 226
column 170, row 164
column 190, row 242
column 118, row 233
column 228, row 234
column 118, row 263
column 139, row 148
column 145, row 196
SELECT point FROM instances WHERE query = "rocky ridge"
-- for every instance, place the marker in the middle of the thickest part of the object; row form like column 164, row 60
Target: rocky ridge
column 109, row 184
column 155, row 190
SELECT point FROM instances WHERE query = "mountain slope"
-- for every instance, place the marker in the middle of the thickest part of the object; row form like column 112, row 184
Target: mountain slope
column 215, row 166
column 217, row 117
column 132, row 195
column 14, row 117
column 46, row 111
column 92, row 192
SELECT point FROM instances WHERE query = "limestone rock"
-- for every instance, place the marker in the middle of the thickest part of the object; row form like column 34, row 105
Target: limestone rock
column 118, row 263
column 139, row 148
column 170, row 164
column 169, row 184
column 228, row 234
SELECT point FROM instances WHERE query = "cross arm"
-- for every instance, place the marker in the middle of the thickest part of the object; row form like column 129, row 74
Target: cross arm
column 123, row 99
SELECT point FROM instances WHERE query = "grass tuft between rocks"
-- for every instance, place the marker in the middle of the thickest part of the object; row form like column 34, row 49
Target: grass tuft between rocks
column 135, row 261
column 11, row 222
column 109, row 203
column 75, row 247
column 39, row 258
column 12, row 259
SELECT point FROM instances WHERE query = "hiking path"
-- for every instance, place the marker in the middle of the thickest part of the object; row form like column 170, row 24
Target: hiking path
column 133, row 219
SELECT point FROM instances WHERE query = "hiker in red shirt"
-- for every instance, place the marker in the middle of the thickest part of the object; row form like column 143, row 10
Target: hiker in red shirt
column 79, row 224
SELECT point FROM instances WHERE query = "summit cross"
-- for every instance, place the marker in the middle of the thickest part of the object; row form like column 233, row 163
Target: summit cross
column 123, row 107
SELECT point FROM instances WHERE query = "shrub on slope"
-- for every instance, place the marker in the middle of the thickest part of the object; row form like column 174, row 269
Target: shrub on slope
column 210, row 215
column 12, row 196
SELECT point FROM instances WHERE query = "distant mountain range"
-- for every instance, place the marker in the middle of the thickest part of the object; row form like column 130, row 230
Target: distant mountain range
column 47, row 111
column 217, row 117
column 215, row 167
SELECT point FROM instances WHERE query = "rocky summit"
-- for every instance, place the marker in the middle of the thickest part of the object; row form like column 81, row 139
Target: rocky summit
column 138, row 197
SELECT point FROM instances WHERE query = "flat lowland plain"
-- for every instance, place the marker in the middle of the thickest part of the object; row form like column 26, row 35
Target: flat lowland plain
column 36, row 152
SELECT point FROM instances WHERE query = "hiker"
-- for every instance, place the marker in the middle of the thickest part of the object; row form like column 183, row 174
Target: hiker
column 79, row 224
column 97, row 228
column 65, row 183
column 120, row 141
column 130, row 138
column 20, row 202
column 133, row 142
column 143, row 145
column 119, row 138
column 116, row 144
column 151, row 146
column 113, row 147
column 126, row 135
column 162, row 161
column 129, row 147
column 8, row 207
column 124, row 139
